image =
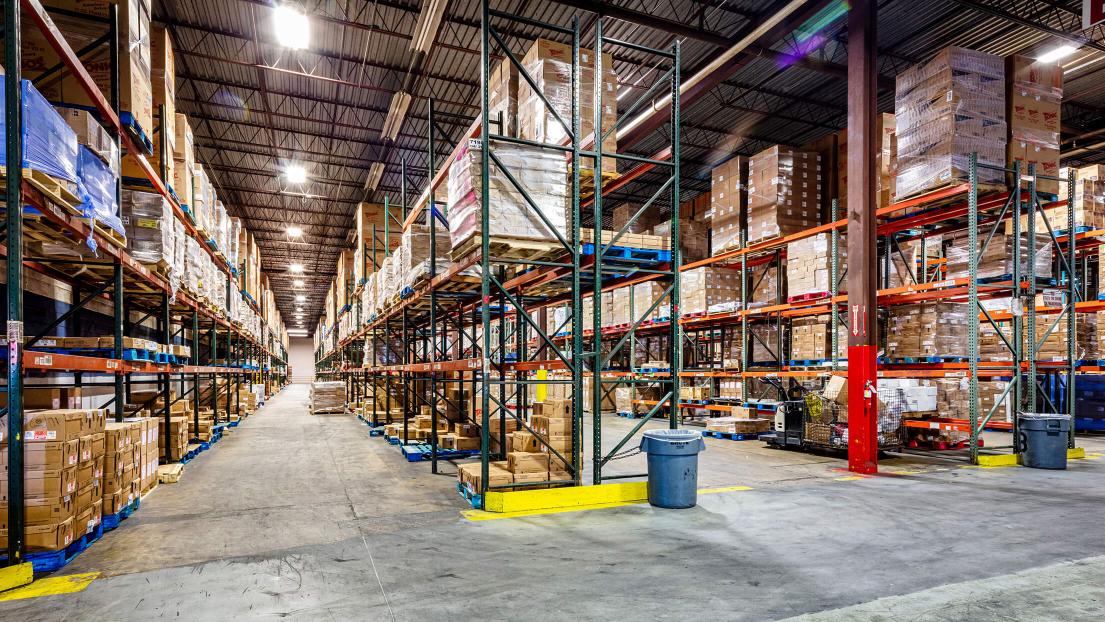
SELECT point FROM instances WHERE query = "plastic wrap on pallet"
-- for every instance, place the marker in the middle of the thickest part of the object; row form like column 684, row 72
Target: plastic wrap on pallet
column 946, row 109
column 644, row 295
column 148, row 218
column 809, row 264
column 927, row 329
column 549, row 65
column 415, row 259
column 908, row 266
column 49, row 144
column 96, row 188
column 784, row 192
column 703, row 287
column 543, row 173
column 764, row 341
column 92, row 135
column 997, row 260
column 811, row 338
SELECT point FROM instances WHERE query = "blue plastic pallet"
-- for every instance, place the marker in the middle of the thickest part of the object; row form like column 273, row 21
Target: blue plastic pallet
column 111, row 521
column 695, row 402
column 630, row 254
column 653, row 370
column 732, row 436
column 472, row 498
column 1041, row 280
column 421, row 451
column 52, row 561
column 811, row 362
column 1077, row 230
column 135, row 129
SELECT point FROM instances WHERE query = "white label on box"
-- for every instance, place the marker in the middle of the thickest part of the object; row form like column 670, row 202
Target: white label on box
column 41, row 435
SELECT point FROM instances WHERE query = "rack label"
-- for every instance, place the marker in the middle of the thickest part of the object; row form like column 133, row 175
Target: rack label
column 45, row 360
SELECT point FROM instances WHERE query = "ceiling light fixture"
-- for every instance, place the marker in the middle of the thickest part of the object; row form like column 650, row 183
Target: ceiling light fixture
column 1057, row 54
column 295, row 174
column 292, row 28
column 294, row 232
column 297, row 283
column 296, row 268
column 301, row 298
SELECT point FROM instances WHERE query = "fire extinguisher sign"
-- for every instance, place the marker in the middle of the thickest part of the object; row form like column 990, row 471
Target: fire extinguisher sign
column 1093, row 13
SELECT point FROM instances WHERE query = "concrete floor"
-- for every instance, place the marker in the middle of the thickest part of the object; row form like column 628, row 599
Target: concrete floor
column 307, row 518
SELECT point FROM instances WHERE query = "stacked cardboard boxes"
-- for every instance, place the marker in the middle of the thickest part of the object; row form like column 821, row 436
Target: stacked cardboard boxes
column 763, row 337
column 833, row 150
column 809, row 265
column 997, row 259
column 135, row 93
column 811, row 338
column 728, row 197
column 55, row 479
column 549, row 64
column 702, row 288
column 784, row 192
column 1089, row 201
column 945, row 110
column 543, row 174
column 122, row 465
column 927, row 329
column 1034, row 97
column 909, row 266
column 765, row 286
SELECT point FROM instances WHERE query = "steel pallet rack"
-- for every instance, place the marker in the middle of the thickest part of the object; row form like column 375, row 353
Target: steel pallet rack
column 113, row 276
column 490, row 336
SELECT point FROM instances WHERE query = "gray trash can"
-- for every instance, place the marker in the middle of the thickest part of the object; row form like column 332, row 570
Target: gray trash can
column 672, row 467
column 1044, row 440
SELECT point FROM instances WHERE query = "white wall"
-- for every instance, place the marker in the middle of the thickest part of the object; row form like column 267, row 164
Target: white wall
column 301, row 356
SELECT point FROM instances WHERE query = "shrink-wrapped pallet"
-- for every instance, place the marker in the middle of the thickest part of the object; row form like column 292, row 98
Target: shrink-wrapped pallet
column 784, row 192
column 945, row 110
column 927, row 329
column 541, row 172
column 997, row 259
column 148, row 218
column 809, row 265
column 702, row 288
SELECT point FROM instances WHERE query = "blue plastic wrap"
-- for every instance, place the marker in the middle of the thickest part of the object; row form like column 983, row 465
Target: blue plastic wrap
column 96, row 188
column 49, row 144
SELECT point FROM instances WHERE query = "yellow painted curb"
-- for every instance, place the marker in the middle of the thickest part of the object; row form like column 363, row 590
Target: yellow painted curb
column 16, row 576
column 482, row 515
column 51, row 586
column 1002, row 460
column 568, row 497
column 1008, row 460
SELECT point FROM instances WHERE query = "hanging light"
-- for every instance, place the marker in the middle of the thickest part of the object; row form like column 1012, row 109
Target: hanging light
column 292, row 28
column 295, row 174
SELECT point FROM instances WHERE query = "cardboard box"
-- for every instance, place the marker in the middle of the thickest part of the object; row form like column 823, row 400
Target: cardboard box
column 527, row 462
column 49, row 456
column 45, row 537
column 43, row 484
column 56, row 425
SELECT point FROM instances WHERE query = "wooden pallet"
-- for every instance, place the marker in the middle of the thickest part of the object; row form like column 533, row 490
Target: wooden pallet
column 119, row 239
column 510, row 248
column 170, row 473
column 983, row 189
column 587, row 181
column 59, row 191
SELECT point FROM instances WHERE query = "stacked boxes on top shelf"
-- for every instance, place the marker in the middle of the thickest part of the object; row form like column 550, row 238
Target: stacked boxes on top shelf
column 728, row 197
column 1033, row 100
column 946, row 109
column 1089, row 200
column 784, row 192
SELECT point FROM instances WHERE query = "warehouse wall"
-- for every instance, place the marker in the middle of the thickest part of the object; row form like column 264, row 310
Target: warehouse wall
column 301, row 356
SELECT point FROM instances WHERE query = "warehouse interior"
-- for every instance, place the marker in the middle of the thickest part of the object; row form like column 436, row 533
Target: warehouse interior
column 381, row 310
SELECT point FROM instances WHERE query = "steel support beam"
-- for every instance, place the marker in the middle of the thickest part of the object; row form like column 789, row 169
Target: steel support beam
column 863, row 446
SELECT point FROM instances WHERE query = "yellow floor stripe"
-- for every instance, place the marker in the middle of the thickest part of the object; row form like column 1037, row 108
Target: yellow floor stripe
column 16, row 576
column 480, row 515
column 51, row 586
column 850, row 478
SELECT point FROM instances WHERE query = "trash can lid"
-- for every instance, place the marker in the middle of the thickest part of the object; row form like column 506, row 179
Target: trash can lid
column 1043, row 416
column 672, row 435
column 672, row 442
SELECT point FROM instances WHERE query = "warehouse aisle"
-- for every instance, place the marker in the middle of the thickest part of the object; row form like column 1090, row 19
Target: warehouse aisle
column 307, row 518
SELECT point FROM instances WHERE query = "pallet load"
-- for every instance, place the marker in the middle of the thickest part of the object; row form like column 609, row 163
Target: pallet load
column 923, row 331
column 706, row 287
column 1089, row 201
column 694, row 238
column 945, row 110
column 55, row 479
column 727, row 200
column 763, row 338
column 913, row 259
column 811, row 340
column 997, row 260
column 133, row 80
column 766, row 286
column 1054, row 347
column 415, row 252
column 327, row 397
column 809, row 266
column 784, row 192
column 122, row 465
column 178, row 439
column 738, row 425
column 49, row 144
column 151, row 236
column 1034, row 97
column 549, row 64
column 645, row 295
column 512, row 220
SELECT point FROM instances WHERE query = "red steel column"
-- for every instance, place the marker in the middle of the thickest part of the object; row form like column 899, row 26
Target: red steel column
column 863, row 446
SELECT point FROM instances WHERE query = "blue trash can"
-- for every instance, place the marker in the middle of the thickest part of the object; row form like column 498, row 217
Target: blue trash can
column 1044, row 440
column 672, row 467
